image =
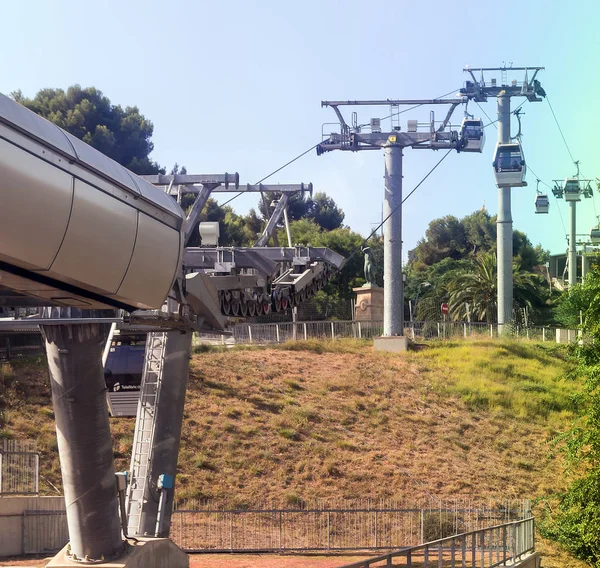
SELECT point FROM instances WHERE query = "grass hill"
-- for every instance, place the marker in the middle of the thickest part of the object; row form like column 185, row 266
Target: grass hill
column 331, row 420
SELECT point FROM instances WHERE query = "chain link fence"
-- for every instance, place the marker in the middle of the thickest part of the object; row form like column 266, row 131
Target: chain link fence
column 19, row 468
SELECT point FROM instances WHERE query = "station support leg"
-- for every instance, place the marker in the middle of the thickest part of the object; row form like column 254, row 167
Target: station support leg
column 167, row 432
column 83, row 434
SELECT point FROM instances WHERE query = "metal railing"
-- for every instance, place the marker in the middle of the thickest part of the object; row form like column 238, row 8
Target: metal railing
column 280, row 530
column 327, row 528
column 484, row 548
column 288, row 331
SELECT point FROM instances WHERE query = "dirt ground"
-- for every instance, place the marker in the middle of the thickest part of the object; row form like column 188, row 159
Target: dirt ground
column 227, row 561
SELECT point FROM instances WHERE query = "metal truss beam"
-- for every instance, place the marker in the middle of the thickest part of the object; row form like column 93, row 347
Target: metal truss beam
column 273, row 220
column 263, row 259
column 243, row 188
column 386, row 102
column 187, row 179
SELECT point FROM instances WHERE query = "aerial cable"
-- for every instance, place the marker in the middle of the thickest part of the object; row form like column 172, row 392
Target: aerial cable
column 488, row 117
column 274, row 172
column 555, row 200
column 560, row 129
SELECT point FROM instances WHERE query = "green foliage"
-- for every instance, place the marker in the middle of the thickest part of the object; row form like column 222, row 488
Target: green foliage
column 122, row 134
column 575, row 521
column 456, row 263
column 508, row 379
column 474, row 234
column 321, row 209
column 575, row 302
column 325, row 212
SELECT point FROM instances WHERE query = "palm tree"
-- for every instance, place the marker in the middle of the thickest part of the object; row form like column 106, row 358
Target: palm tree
column 476, row 291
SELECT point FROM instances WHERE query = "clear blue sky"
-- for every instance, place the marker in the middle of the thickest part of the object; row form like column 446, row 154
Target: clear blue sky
column 236, row 86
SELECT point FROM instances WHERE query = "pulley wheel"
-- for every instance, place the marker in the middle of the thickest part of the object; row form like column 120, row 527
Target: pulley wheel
column 226, row 307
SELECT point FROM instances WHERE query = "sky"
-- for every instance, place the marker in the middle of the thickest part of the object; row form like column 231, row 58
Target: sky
column 237, row 85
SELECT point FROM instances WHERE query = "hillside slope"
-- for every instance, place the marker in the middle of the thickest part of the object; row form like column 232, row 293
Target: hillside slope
column 335, row 420
column 324, row 420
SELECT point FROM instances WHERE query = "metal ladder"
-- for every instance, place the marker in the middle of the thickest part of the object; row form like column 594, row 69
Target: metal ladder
column 141, row 455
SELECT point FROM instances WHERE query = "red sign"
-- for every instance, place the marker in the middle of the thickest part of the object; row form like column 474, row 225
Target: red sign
column 445, row 309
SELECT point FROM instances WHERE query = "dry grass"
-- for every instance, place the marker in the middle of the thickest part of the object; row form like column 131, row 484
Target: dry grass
column 325, row 420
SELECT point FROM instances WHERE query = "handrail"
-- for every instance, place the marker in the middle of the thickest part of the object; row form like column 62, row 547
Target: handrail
column 509, row 545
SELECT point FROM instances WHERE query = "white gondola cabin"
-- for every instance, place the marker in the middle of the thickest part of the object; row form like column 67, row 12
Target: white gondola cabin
column 542, row 204
column 509, row 165
column 473, row 134
column 595, row 236
column 572, row 189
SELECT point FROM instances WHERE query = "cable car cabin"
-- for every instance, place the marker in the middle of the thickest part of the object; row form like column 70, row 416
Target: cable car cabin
column 572, row 189
column 125, row 361
column 542, row 204
column 595, row 236
column 509, row 165
column 473, row 134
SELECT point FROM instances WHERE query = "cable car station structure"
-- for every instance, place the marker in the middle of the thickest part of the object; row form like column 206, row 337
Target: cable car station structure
column 95, row 238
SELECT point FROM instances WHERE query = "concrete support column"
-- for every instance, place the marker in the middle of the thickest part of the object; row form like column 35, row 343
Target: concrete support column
column 572, row 244
column 167, row 431
column 393, row 300
column 83, row 434
column 504, row 238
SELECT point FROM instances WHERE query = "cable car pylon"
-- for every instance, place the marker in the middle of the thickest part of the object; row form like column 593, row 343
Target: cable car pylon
column 571, row 190
column 509, row 163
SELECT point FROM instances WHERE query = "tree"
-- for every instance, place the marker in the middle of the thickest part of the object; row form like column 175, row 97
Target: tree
column 574, row 517
column 450, row 237
column 474, row 293
column 122, row 134
column 444, row 238
column 325, row 212
column 322, row 209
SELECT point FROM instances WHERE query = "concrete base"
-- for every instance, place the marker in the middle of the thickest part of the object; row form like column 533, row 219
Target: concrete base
column 369, row 303
column 146, row 553
column 391, row 343
column 532, row 560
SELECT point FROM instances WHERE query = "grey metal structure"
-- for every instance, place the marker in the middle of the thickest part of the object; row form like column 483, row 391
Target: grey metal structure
column 158, row 429
column 352, row 138
column 83, row 435
column 479, row 90
column 59, row 252
column 571, row 190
